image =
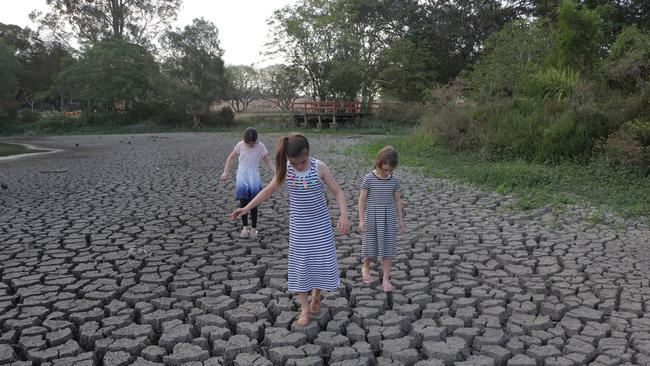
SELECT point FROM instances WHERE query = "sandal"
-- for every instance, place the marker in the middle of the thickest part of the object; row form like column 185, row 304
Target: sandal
column 314, row 307
column 388, row 287
column 366, row 276
column 303, row 320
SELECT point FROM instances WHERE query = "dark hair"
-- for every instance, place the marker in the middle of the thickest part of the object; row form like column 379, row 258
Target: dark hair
column 292, row 146
column 250, row 135
column 387, row 155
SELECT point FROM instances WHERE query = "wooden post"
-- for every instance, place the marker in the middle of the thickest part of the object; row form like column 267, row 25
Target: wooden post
column 304, row 113
column 320, row 121
column 333, row 125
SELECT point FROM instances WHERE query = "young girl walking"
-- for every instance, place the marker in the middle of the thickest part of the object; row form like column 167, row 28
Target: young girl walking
column 380, row 215
column 312, row 253
column 248, row 182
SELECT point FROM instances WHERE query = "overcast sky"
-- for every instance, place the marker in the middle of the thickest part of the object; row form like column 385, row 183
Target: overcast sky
column 242, row 23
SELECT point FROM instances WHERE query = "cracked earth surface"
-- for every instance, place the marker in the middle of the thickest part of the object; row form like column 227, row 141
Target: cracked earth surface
column 120, row 251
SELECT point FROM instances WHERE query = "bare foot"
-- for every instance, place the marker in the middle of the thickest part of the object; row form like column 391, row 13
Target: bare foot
column 388, row 287
column 314, row 307
column 303, row 319
column 367, row 277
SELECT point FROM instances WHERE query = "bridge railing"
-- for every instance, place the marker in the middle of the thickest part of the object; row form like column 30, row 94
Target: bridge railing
column 329, row 107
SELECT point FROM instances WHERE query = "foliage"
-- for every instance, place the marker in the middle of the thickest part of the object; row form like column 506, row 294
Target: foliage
column 8, row 67
column 243, row 86
column 28, row 115
column 408, row 70
column 395, row 112
column 630, row 145
column 627, row 67
column 553, row 83
column 512, row 55
column 280, row 85
column 89, row 22
column 110, row 72
column 194, row 67
column 578, row 36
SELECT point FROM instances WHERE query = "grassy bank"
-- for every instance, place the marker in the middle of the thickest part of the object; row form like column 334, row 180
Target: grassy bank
column 13, row 149
column 261, row 124
column 606, row 188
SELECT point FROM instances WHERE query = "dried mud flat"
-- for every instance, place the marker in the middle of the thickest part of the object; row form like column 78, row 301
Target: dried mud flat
column 118, row 250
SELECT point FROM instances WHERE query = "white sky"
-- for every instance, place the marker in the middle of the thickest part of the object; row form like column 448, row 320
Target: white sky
column 242, row 23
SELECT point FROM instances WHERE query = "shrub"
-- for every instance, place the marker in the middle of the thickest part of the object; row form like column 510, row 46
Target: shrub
column 630, row 145
column 103, row 119
column 399, row 113
column 454, row 126
column 225, row 117
column 28, row 115
column 628, row 65
column 59, row 124
column 553, row 83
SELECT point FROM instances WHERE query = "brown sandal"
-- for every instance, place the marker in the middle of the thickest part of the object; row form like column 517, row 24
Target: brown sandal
column 303, row 320
column 314, row 307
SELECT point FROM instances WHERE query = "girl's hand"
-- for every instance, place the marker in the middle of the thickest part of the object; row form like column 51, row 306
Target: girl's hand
column 362, row 226
column 402, row 227
column 343, row 225
column 238, row 212
column 223, row 177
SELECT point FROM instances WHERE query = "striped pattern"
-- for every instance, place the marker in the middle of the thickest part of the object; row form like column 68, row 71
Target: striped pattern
column 379, row 240
column 312, row 253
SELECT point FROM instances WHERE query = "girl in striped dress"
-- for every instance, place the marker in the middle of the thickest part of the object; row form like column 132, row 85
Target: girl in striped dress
column 380, row 215
column 312, row 254
column 248, row 182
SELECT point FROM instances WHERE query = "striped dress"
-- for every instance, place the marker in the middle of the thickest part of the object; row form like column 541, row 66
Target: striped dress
column 312, row 253
column 379, row 240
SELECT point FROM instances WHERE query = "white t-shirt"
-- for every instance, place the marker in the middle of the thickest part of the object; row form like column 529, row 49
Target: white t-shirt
column 250, row 157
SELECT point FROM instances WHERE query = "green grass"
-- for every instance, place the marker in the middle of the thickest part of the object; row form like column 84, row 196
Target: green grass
column 13, row 149
column 262, row 126
column 606, row 188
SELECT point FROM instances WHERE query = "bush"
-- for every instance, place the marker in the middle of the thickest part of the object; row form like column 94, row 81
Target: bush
column 630, row 145
column 399, row 113
column 105, row 119
column 628, row 65
column 453, row 126
column 28, row 115
column 59, row 124
column 553, row 83
column 225, row 117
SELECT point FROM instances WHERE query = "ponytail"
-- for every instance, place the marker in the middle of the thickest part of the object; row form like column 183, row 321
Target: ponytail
column 281, row 160
column 292, row 145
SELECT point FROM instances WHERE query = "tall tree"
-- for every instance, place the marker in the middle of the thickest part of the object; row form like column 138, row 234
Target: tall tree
column 111, row 75
column 89, row 21
column 194, row 66
column 8, row 67
column 280, row 85
column 243, row 86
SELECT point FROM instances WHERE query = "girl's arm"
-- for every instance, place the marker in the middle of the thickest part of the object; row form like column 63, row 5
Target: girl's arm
column 226, row 169
column 363, row 197
column 264, row 195
column 269, row 163
column 327, row 177
column 400, row 211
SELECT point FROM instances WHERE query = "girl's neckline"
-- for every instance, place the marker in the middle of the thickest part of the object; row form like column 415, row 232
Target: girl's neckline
column 374, row 172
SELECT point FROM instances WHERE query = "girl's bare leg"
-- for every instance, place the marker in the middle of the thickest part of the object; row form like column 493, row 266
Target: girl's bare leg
column 365, row 270
column 303, row 319
column 314, row 307
column 386, row 280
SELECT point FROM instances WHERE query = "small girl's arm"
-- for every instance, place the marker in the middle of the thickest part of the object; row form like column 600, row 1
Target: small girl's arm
column 363, row 197
column 400, row 211
column 226, row 169
column 269, row 163
column 330, row 182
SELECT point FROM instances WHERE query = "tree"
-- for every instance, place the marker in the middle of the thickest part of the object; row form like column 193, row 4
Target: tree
column 194, row 67
column 111, row 75
column 408, row 71
column 135, row 21
column 280, row 85
column 8, row 68
column 243, row 86
column 578, row 36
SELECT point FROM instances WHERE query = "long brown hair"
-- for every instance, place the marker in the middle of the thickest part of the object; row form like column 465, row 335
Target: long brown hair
column 387, row 155
column 292, row 146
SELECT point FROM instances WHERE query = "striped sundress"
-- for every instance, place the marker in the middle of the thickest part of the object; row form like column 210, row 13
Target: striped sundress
column 312, row 253
column 379, row 240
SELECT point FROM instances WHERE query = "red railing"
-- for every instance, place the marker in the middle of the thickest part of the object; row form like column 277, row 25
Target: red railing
column 329, row 107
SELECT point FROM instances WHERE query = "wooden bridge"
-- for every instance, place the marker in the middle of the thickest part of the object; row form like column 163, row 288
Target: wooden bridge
column 332, row 111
